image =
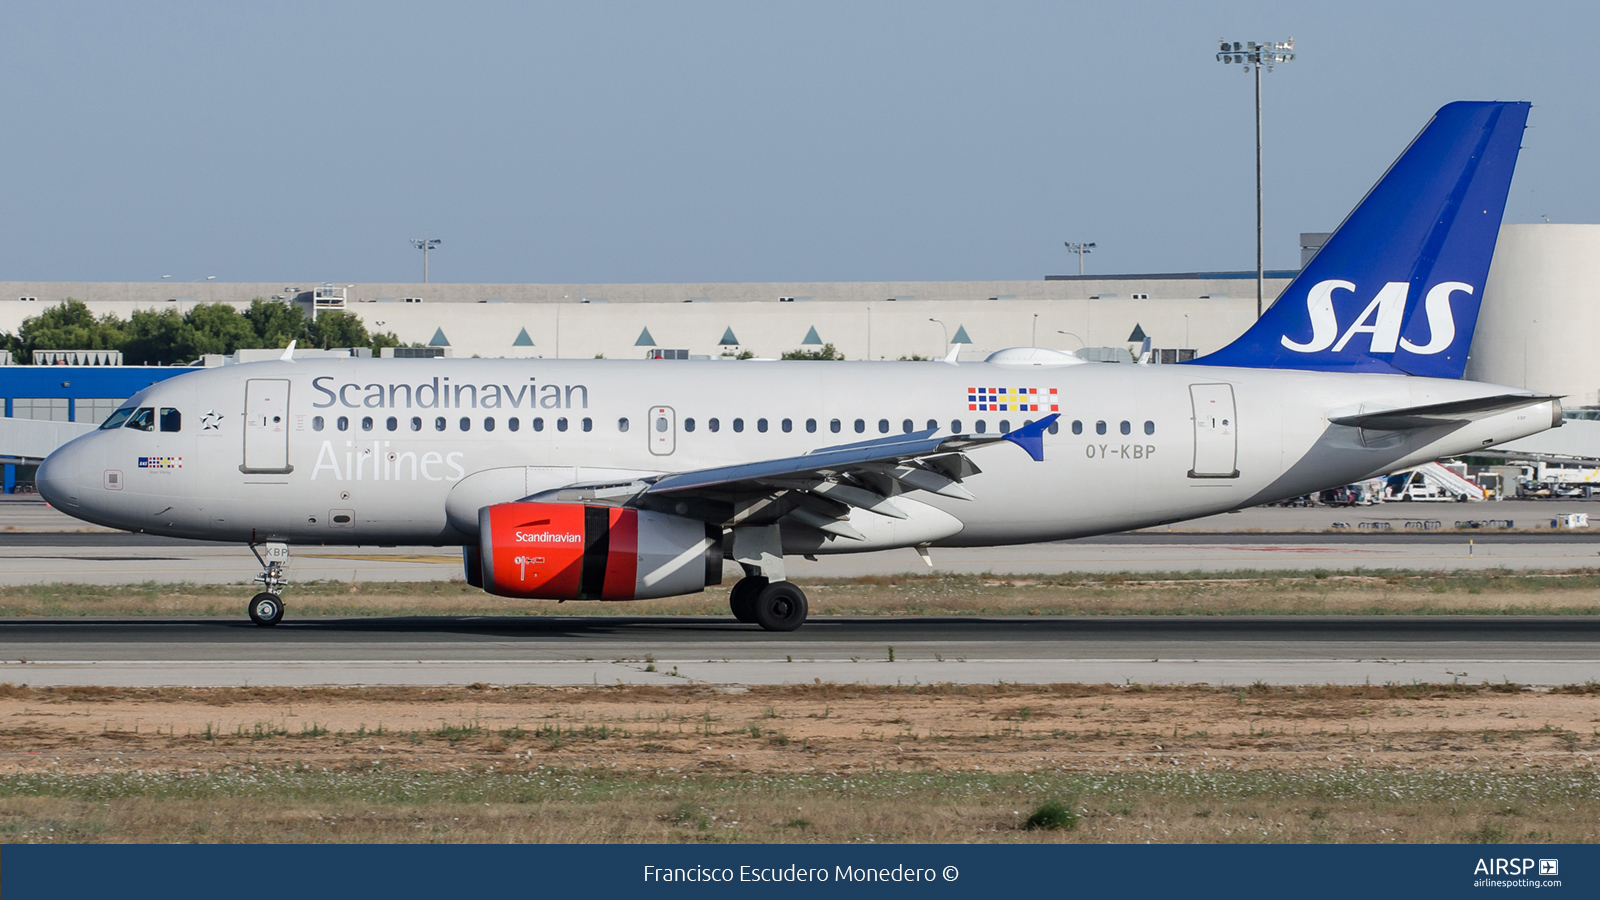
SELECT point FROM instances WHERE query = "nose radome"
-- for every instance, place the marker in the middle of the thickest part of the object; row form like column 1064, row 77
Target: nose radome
column 58, row 477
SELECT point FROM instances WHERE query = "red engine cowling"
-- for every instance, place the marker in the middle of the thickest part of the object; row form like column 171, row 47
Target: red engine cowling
column 572, row 551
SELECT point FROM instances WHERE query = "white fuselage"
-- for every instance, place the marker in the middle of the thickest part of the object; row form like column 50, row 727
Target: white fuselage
column 357, row 455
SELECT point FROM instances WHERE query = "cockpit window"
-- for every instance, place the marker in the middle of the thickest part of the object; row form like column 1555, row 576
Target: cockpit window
column 144, row 419
column 171, row 420
column 116, row 419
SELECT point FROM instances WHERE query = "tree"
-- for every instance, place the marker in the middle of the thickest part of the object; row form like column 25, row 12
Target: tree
column 339, row 329
column 218, row 328
column 828, row 351
column 68, row 326
column 276, row 323
column 158, row 338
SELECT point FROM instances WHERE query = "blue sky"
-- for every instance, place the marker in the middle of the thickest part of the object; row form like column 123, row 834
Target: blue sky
column 815, row 141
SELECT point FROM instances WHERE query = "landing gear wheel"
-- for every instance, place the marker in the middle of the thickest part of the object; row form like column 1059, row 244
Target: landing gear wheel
column 266, row 609
column 742, row 599
column 780, row 607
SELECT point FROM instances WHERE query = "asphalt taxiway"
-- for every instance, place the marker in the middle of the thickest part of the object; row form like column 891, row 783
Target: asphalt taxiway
column 879, row 650
column 39, row 545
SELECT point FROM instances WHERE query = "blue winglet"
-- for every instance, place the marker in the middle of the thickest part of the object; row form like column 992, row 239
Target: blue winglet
column 1031, row 437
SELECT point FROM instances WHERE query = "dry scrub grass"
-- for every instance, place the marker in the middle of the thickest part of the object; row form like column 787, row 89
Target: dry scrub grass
column 1575, row 592
column 825, row 763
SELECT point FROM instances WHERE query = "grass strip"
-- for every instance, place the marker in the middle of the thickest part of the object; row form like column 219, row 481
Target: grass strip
column 381, row 804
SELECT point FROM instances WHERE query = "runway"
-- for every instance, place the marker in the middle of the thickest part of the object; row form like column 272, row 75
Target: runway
column 716, row 650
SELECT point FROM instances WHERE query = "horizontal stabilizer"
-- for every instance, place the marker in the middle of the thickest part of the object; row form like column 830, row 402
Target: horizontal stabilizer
column 1454, row 412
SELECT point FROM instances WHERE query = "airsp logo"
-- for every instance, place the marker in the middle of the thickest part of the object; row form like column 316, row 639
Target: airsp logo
column 1381, row 319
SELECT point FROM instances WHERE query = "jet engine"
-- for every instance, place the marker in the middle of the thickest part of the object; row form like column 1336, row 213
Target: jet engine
column 574, row 551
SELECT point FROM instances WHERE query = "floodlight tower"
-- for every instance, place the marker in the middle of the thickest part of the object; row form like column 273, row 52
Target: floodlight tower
column 1253, row 55
column 425, row 244
column 1080, row 249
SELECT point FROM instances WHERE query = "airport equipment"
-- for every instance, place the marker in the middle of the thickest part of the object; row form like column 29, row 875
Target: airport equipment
column 1253, row 56
column 424, row 244
column 618, row 479
column 1545, row 479
column 1080, row 249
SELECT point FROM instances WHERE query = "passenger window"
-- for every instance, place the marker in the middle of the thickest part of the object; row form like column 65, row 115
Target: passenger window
column 933, row 425
column 738, row 425
column 538, row 423
column 861, row 426
column 788, row 425
column 366, row 423
column 116, row 419
column 1100, row 427
column 561, row 424
column 488, row 423
column 761, row 425
column 316, row 423
column 1127, row 427
column 416, row 423
column 393, row 423
column 906, row 426
column 713, row 424
column 811, row 426
column 983, row 427
column 438, row 424
column 1055, row 427
column 688, row 425
column 171, row 420
column 466, row 424
column 883, row 426
column 622, row 424
column 1077, row 427
column 955, row 426
column 834, row 426
column 588, row 424
column 514, row 423
column 1149, row 427
column 1005, row 426
column 343, row 423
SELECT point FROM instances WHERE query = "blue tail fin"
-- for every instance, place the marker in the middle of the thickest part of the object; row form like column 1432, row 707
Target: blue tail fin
column 1396, row 288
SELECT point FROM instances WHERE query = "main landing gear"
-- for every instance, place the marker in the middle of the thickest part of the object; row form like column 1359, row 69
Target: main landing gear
column 774, row 605
column 763, row 596
column 266, row 608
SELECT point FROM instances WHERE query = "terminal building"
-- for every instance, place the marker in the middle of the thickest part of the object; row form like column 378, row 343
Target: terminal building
column 1541, row 305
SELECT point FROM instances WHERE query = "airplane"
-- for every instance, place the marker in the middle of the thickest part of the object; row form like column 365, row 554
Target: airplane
column 625, row 480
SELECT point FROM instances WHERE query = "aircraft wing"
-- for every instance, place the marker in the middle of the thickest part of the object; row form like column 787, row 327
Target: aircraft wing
column 1452, row 413
column 820, row 488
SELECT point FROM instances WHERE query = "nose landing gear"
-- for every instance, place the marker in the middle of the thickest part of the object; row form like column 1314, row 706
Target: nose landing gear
column 266, row 608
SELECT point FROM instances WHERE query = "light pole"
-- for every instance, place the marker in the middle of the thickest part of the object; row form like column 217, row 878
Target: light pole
column 1254, row 55
column 1081, row 342
column 1080, row 249
column 1035, row 342
column 1186, row 329
column 425, row 244
column 946, row 329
